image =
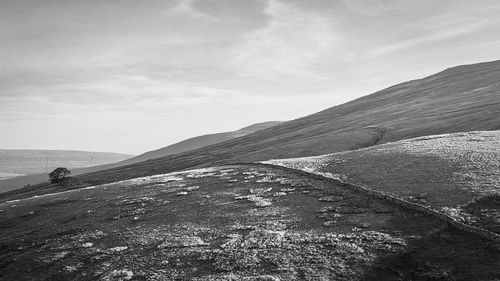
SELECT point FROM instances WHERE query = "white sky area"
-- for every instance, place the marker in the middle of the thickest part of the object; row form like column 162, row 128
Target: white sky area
column 130, row 76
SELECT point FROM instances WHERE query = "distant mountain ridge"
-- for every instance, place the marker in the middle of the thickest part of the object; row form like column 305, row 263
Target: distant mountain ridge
column 29, row 161
column 183, row 146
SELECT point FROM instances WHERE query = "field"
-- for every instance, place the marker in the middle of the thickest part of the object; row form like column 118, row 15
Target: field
column 29, row 161
column 20, row 167
column 8, row 175
column 9, row 183
column 241, row 222
column 447, row 172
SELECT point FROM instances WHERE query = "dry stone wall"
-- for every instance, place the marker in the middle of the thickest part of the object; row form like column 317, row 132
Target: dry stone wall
column 481, row 232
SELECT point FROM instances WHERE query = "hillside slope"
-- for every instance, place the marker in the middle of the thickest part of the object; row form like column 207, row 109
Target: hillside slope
column 30, row 161
column 463, row 98
column 186, row 145
column 239, row 222
column 198, row 142
column 451, row 172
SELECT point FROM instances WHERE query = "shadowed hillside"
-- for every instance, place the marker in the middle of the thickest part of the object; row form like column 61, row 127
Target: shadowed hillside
column 458, row 99
column 198, row 142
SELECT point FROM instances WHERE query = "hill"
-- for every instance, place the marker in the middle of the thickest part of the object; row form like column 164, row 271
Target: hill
column 30, row 161
column 198, row 142
column 239, row 222
column 463, row 98
column 457, row 174
column 186, row 145
column 151, row 221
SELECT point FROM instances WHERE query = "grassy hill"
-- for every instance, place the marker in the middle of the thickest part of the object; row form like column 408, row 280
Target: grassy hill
column 151, row 221
column 198, row 142
column 62, row 158
column 454, row 173
column 463, row 98
column 240, row 222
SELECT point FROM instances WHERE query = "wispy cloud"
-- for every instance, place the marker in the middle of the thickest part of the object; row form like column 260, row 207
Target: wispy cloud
column 290, row 45
column 104, row 68
column 185, row 8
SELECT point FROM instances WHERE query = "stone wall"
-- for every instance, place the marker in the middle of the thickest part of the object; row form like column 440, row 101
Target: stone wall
column 481, row 232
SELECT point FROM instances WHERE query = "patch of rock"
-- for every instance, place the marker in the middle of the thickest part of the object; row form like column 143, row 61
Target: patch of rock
column 181, row 242
column 122, row 274
column 192, row 188
column 332, row 198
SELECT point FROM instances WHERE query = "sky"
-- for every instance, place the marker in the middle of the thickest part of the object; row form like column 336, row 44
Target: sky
column 131, row 76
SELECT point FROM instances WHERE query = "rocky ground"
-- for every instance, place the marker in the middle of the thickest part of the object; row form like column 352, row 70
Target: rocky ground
column 446, row 172
column 240, row 222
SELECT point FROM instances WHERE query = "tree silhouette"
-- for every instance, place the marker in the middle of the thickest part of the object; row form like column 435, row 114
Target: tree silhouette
column 59, row 174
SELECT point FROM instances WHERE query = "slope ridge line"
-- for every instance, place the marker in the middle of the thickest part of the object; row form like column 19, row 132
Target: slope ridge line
column 478, row 231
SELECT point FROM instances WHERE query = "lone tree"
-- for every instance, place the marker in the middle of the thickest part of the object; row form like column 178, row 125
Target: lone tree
column 59, row 174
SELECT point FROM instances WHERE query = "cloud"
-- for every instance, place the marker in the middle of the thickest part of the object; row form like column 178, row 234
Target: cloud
column 185, row 8
column 114, row 92
column 217, row 62
column 291, row 45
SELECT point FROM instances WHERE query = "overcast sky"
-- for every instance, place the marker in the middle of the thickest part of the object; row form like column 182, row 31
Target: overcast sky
column 130, row 76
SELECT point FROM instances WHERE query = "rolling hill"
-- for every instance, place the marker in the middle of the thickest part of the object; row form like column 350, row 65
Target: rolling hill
column 186, row 145
column 452, row 173
column 463, row 98
column 431, row 211
column 198, row 142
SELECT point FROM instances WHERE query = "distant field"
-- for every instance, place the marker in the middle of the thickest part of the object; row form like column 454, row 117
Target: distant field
column 9, row 175
column 30, row 161
column 27, row 167
column 34, row 164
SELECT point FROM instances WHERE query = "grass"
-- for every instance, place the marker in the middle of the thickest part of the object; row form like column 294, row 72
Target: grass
column 144, row 222
column 140, row 229
column 446, row 172
column 455, row 100
column 8, row 175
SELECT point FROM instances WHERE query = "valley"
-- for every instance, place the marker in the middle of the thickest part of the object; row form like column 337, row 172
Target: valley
column 256, row 140
column 402, row 184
